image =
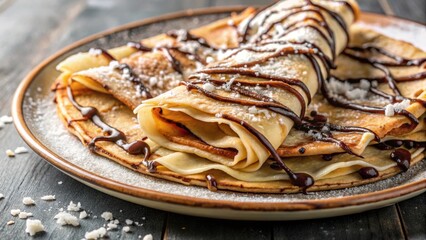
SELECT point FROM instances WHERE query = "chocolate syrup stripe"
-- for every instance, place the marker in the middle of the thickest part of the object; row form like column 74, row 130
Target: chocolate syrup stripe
column 388, row 75
column 252, row 73
column 114, row 135
column 261, row 103
column 187, row 36
column 309, row 53
column 398, row 61
column 321, row 53
column 248, row 27
column 176, row 65
column 295, row 26
column 302, row 180
column 272, row 83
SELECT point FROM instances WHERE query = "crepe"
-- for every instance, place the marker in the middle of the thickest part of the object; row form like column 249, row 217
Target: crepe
column 349, row 69
column 238, row 109
column 342, row 171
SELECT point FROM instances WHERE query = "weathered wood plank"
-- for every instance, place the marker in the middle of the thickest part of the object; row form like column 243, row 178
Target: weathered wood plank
column 184, row 227
column 377, row 224
column 413, row 217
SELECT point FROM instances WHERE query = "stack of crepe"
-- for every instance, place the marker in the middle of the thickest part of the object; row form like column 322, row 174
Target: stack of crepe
column 290, row 97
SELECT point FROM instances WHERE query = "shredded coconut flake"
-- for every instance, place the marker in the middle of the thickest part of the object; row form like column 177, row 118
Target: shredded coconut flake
column 10, row 222
column 20, row 150
column 391, row 109
column 25, row 215
column 209, row 59
column 28, row 201
column 95, row 51
column 208, row 87
column 107, row 216
column 111, row 226
column 6, row 119
column 83, row 215
column 64, row 218
column 15, row 212
column 114, row 65
column 126, row 229
column 74, row 207
column 10, row 153
column 48, row 198
column 147, row 237
column 96, row 234
column 128, row 222
column 34, row 226
column 1, row 196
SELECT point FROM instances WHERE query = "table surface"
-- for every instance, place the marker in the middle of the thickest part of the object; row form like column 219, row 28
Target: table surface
column 31, row 30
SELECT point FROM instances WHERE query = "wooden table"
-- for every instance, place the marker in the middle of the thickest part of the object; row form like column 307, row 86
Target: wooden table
column 31, row 30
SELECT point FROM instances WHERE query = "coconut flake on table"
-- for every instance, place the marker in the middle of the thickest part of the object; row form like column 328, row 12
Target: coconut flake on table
column 10, row 222
column 147, row 237
column 1, row 196
column 25, row 215
column 20, row 150
column 128, row 222
column 10, row 153
column 96, row 234
column 28, row 201
column 391, row 109
column 111, row 226
column 6, row 119
column 48, row 198
column 126, row 229
column 107, row 216
column 60, row 182
column 72, row 207
column 34, row 226
column 15, row 212
column 64, row 218
column 83, row 215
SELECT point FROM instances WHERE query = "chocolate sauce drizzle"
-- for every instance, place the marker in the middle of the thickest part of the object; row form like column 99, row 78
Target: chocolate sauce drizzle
column 368, row 172
column 302, row 180
column 112, row 134
column 211, row 183
column 355, row 53
column 402, row 158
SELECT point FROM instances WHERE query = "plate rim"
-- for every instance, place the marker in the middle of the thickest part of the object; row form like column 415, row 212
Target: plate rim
column 77, row 172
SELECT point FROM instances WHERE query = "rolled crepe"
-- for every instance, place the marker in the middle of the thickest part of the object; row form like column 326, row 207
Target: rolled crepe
column 260, row 90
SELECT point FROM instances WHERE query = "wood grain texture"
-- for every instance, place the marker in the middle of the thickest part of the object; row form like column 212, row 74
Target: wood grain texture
column 377, row 224
column 33, row 29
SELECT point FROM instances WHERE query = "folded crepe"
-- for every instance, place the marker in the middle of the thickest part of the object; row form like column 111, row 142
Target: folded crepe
column 236, row 111
column 342, row 171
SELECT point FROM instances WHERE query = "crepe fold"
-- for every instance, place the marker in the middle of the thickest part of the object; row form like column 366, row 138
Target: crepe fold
column 227, row 111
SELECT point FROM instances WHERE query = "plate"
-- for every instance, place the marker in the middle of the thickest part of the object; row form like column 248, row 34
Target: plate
column 35, row 118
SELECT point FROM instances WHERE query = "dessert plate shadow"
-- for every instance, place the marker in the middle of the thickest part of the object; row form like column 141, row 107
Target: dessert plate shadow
column 35, row 118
